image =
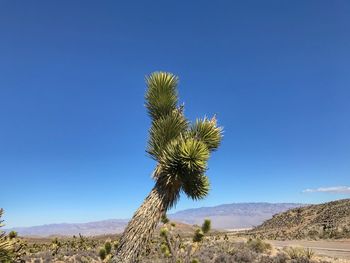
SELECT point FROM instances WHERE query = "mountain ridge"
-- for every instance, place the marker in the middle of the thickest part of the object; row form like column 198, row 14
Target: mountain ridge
column 223, row 217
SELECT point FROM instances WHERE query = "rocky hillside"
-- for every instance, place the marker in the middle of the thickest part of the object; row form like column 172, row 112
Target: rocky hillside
column 328, row 220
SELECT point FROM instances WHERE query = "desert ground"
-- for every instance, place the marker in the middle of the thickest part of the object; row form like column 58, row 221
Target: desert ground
column 215, row 247
column 330, row 248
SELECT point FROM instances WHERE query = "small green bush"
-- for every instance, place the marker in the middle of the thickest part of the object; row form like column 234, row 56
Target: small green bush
column 206, row 226
column 102, row 253
column 12, row 234
column 108, row 247
column 198, row 235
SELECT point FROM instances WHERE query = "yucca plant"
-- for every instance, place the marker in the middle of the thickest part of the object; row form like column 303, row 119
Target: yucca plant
column 181, row 150
column 5, row 243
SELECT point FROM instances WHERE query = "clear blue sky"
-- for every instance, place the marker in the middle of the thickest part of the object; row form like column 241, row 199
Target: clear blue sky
column 73, row 128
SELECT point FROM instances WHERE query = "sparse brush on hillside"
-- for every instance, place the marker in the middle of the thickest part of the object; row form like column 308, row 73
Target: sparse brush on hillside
column 328, row 220
column 181, row 149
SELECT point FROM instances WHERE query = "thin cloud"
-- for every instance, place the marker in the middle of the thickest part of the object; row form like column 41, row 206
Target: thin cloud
column 332, row 190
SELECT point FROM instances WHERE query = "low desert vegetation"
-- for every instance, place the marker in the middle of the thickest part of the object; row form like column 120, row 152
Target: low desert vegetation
column 210, row 249
column 166, row 246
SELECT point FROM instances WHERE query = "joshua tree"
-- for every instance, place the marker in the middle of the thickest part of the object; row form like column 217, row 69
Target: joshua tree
column 181, row 150
column 5, row 243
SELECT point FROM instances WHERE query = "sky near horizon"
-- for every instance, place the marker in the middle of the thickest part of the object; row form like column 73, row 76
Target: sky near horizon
column 73, row 127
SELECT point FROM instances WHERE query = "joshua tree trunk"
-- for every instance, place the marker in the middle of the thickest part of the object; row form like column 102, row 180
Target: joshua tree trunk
column 141, row 227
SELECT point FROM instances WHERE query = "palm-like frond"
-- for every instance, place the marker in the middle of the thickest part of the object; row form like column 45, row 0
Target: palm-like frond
column 161, row 96
column 208, row 132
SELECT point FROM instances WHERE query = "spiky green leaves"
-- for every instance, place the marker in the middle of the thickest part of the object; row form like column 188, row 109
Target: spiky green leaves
column 196, row 186
column 161, row 96
column 194, row 155
column 164, row 130
column 182, row 152
column 184, row 157
column 208, row 132
column 183, row 163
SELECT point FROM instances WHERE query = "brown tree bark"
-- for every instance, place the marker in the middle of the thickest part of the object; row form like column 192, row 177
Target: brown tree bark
column 142, row 225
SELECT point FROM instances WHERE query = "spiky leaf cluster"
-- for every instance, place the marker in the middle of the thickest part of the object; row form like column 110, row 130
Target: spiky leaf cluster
column 183, row 163
column 181, row 149
column 208, row 132
column 161, row 96
column 165, row 129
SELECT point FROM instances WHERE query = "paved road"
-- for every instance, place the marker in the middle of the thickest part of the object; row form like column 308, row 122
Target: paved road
column 337, row 249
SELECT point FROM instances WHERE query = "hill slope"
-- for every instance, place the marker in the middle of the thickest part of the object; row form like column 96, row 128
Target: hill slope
column 328, row 220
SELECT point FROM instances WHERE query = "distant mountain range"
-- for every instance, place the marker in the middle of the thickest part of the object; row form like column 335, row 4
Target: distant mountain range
column 233, row 216
column 110, row 226
column 228, row 216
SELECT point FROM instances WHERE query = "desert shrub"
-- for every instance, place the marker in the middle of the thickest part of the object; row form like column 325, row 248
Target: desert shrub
column 281, row 258
column 206, row 226
column 259, row 246
column 108, row 247
column 200, row 232
column 102, row 253
column 299, row 253
column 266, row 259
column 313, row 234
column 309, row 253
column 198, row 235
column 244, row 255
column 224, row 258
column 12, row 234
column 115, row 244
